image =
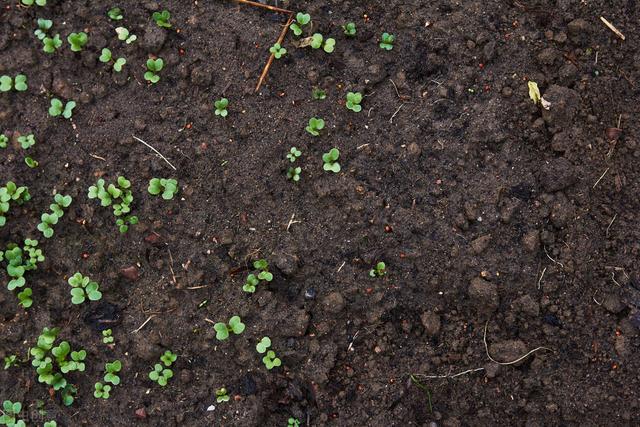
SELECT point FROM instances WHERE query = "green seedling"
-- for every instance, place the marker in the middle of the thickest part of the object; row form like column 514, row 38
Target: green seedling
column 160, row 375
column 125, row 36
column 44, row 25
column 379, row 270
column 353, row 101
column 330, row 160
column 293, row 154
column 124, row 223
column 105, row 57
column 111, row 372
column 20, row 260
column 315, row 126
column 329, row 45
column 167, row 187
column 168, row 358
column 10, row 361
column 82, row 288
column 27, row 141
column 77, row 358
column 119, row 197
column 278, row 51
column 349, row 29
column 4, row 140
column 24, row 298
column 32, row 2
column 101, row 391
column 31, row 163
column 263, row 345
column 386, row 41
column 162, row 19
column 77, row 41
column 318, row 94
column 252, row 280
column 57, row 108
column 270, row 360
column 300, row 21
column 115, row 14
column 316, row 41
column 19, row 83
column 153, row 66
column 235, row 325
column 51, row 44
column 57, row 212
column 221, row 107
column 293, row 422
column 222, row 395
column 51, row 423
column 107, row 336
column 10, row 412
column 294, row 173
column 10, row 194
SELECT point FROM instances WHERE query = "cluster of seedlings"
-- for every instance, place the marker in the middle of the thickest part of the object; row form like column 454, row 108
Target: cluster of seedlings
column 55, row 363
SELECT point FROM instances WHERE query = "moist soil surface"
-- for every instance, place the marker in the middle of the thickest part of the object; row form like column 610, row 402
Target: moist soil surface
column 504, row 226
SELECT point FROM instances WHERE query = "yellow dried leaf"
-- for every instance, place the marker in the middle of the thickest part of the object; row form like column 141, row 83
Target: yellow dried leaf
column 534, row 92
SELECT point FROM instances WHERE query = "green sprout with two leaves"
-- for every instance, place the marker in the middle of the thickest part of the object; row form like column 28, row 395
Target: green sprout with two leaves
column 106, row 57
column 221, row 107
column 83, row 288
column 19, row 83
column 107, row 336
column 24, row 298
column 154, row 66
column 222, row 395
column 77, row 41
column 379, row 270
column 293, row 173
column 315, row 126
column 330, row 160
column 278, row 51
column 386, row 41
column 254, row 279
column 115, row 14
column 349, row 29
column 353, row 101
column 162, row 19
column 111, row 372
column 125, row 36
column 222, row 329
column 51, row 44
column 293, row 154
column 4, row 140
column 48, row 220
column 58, row 108
column 32, row 2
column 44, row 25
column 10, row 413
column 165, row 186
column 27, row 141
column 293, row 422
column 119, row 197
column 301, row 20
column 162, row 374
column 11, row 194
column 270, row 360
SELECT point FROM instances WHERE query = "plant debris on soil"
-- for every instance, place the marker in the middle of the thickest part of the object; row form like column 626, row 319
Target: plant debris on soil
column 465, row 256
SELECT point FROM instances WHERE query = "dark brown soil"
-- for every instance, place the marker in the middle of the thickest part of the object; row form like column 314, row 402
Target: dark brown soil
column 485, row 208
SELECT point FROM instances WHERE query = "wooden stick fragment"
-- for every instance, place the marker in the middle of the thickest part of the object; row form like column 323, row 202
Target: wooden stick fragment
column 612, row 28
column 272, row 57
column 265, row 6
